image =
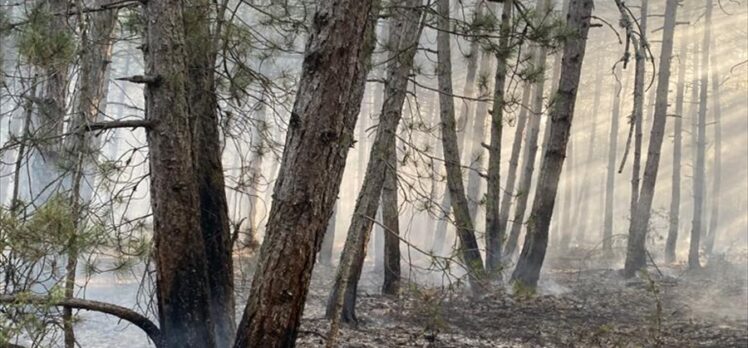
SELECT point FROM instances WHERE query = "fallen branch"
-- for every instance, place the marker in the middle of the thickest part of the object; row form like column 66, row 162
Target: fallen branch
column 123, row 313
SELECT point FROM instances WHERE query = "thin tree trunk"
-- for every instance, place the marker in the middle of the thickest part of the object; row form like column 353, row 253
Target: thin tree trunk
column 462, row 125
column 531, row 142
column 700, row 168
column 717, row 166
column 674, row 213
column 636, row 248
column 562, row 114
column 404, row 36
column 638, row 115
column 182, row 282
column 475, row 150
column 611, row 169
column 465, row 232
column 509, row 192
column 93, row 83
column 494, row 235
column 320, row 134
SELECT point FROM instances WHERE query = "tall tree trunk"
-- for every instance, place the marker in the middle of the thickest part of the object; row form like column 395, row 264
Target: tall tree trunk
column 404, row 37
column 531, row 140
column 611, row 168
column 636, row 248
column 638, row 115
column 562, row 114
column 475, row 150
column 93, row 83
column 465, row 232
column 674, row 213
column 511, row 177
column 463, row 121
column 319, row 136
column 494, row 234
column 700, row 168
column 201, row 49
column 717, row 165
column 182, row 283
column 391, row 222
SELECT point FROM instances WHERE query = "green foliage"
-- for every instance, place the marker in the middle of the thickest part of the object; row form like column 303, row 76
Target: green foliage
column 132, row 21
column 44, row 45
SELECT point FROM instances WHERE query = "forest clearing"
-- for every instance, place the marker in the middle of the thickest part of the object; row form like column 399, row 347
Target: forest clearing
column 373, row 173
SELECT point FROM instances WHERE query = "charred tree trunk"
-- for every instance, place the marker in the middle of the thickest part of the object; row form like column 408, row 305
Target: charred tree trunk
column 182, row 283
column 562, row 114
column 494, row 234
column 465, row 232
column 697, row 227
column 404, row 37
column 636, row 248
column 319, row 137
column 674, row 213
column 201, row 49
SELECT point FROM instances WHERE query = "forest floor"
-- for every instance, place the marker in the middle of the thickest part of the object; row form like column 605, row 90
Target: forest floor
column 574, row 307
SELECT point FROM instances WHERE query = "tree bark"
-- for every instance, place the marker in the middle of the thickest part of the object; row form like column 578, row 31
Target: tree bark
column 201, row 49
column 319, row 136
column 404, row 37
column 700, row 168
column 562, row 114
column 494, row 234
column 465, row 232
column 182, row 283
column 638, row 115
column 636, row 248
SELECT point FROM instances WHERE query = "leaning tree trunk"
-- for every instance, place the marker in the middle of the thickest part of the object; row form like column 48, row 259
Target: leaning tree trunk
column 611, row 168
column 531, row 142
column 404, row 38
column 465, row 233
column 636, row 246
column 717, row 167
column 674, row 213
column 562, row 114
column 320, row 134
column 201, row 49
column 468, row 91
column 494, row 234
column 183, row 288
column 700, row 169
